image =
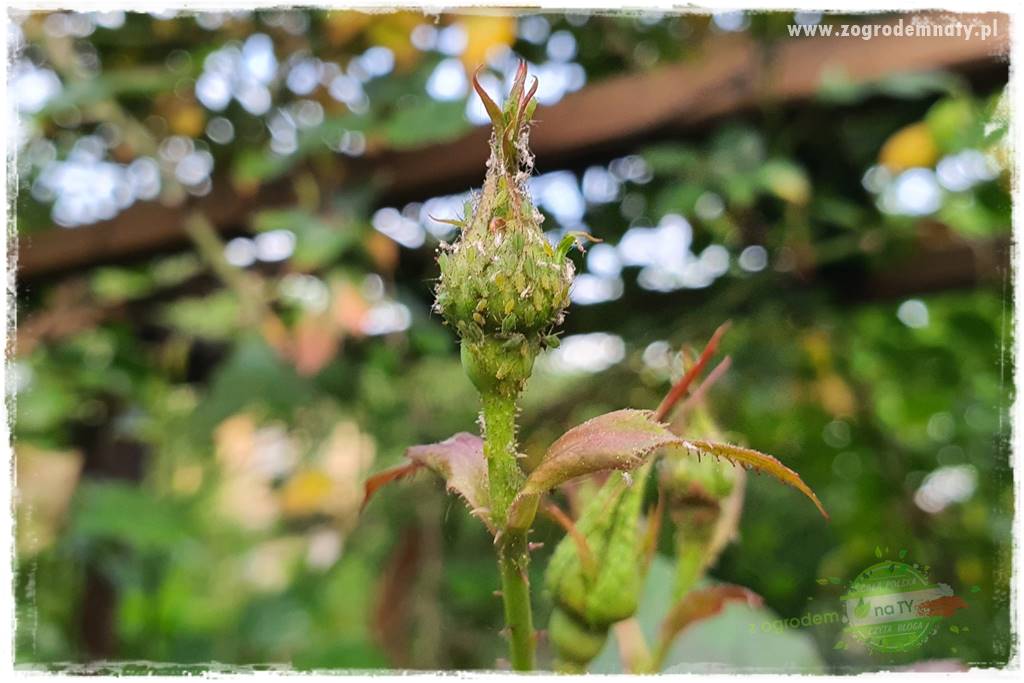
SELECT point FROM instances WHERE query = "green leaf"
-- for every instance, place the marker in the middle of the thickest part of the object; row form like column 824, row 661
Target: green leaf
column 215, row 316
column 570, row 239
column 260, row 165
column 253, row 374
column 128, row 514
column 319, row 240
column 427, row 122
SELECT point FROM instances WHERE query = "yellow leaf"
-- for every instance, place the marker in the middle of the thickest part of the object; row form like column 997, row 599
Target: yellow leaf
column 484, row 34
column 909, row 147
column 305, row 493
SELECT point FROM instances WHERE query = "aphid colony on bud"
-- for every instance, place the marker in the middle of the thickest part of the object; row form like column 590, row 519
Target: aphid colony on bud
column 503, row 286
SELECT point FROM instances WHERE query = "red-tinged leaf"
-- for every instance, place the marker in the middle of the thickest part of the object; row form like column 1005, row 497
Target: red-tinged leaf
column 493, row 110
column 460, row 461
column 375, row 482
column 756, row 460
column 701, row 391
column 621, row 440
column 678, row 390
column 517, row 91
column 701, row 604
column 526, row 99
column 528, row 111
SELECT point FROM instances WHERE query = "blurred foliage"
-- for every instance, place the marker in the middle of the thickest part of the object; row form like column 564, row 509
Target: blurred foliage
column 189, row 478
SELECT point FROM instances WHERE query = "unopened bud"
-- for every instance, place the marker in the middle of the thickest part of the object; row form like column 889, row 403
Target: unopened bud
column 502, row 279
column 704, row 499
column 598, row 589
column 575, row 643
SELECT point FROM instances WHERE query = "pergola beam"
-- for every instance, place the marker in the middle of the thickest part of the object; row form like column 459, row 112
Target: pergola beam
column 732, row 74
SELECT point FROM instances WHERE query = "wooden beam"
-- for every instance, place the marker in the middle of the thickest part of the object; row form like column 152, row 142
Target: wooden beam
column 731, row 74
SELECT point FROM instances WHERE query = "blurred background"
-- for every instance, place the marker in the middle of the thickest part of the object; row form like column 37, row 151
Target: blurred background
column 225, row 261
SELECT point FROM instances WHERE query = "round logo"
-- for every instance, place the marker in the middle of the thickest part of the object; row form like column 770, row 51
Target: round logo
column 890, row 606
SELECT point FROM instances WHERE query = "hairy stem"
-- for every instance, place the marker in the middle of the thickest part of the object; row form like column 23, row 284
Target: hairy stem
column 514, row 560
column 505, row 479
column 503, row 472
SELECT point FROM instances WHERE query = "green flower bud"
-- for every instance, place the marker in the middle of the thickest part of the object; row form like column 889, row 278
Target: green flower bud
column 686, row 479
column 602, row 587
column 575, row 642
column 692, row 482
column 502, row 279
column 704, row 498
